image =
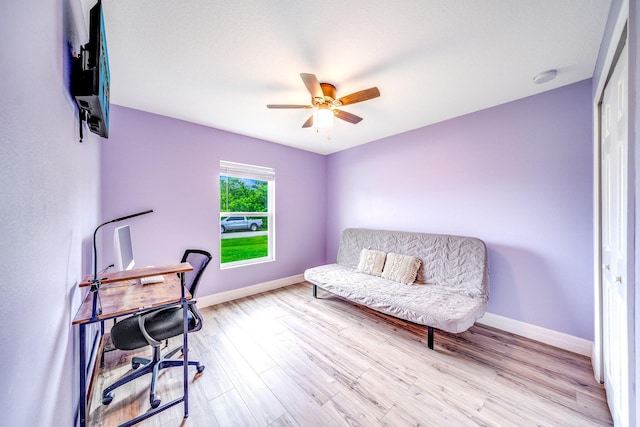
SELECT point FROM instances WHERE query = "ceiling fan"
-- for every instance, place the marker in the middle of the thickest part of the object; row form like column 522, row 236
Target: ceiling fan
column 323, row 99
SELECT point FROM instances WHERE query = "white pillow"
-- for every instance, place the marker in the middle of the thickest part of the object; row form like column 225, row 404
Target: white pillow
column 401, row 268
column 371, row 262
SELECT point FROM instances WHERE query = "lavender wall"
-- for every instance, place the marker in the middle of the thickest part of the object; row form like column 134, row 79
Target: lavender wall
column 48, row 207
column 172, row 166
column 518, row 176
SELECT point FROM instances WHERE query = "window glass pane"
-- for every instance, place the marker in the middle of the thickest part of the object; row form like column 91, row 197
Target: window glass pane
column 243, row 195
column 243, row 244
column 246, row 214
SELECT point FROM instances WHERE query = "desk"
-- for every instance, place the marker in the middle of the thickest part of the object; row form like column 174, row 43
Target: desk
column 119, row 297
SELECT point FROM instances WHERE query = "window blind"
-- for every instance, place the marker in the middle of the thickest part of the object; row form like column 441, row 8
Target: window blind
column 242, row 170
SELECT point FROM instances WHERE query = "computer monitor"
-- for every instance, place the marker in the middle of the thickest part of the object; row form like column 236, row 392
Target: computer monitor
column 123, row 248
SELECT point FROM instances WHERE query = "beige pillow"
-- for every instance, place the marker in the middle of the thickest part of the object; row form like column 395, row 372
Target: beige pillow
column 371, row 262
column 401, row 268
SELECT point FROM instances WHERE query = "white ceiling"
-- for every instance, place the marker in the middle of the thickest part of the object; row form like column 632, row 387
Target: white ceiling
column 219, row 63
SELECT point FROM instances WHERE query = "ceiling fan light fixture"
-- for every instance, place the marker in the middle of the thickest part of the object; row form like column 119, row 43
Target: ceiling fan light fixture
column 325, row 103
column 324, row 117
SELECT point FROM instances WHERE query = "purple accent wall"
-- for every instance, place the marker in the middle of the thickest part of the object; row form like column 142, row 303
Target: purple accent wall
column 519, row 176
column 172, row 167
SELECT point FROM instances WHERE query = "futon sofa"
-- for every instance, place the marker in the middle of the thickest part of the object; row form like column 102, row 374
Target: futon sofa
column 449, row 289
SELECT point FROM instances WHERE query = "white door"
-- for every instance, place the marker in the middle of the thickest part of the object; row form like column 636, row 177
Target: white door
column 615, row 204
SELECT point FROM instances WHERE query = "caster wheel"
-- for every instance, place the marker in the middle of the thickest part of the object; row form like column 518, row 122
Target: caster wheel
column 200, row 368
column 135, row 365
column 155, row 402
column 107, row 399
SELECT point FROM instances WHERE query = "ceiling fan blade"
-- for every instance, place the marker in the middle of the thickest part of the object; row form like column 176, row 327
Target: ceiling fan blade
column 313, row 86
column 360, row 96
column 309, row 122
column 348, row 117
column 288, row 106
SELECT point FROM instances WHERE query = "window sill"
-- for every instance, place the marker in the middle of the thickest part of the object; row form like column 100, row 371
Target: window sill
column 245, row 263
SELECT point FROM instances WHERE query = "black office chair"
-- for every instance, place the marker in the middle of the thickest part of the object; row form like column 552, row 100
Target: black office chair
column 152, row 327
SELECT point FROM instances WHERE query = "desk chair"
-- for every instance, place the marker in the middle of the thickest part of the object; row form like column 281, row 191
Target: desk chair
column 152, row 327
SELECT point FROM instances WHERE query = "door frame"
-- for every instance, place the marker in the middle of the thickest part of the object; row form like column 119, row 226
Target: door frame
column 610, row 60
column 619, row 37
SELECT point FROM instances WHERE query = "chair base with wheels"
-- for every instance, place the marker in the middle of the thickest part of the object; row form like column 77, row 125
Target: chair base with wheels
column 153, row 366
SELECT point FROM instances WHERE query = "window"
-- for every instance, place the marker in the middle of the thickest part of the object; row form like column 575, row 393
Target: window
column 247, row 224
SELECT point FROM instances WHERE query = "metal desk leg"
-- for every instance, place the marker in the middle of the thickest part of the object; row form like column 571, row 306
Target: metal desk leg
column 185, row 355
column 185, row 349
column 83, row 375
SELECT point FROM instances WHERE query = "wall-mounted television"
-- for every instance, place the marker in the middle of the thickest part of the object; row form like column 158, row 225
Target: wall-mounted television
column 90, row 77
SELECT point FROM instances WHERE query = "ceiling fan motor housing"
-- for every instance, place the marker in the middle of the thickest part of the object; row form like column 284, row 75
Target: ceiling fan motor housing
column 329, row 92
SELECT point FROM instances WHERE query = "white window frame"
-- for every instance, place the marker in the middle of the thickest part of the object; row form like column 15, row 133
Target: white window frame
column 262, row 173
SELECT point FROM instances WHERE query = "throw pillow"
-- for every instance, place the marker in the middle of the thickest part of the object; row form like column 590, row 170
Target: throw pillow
column 371, row 262
column 401, row 268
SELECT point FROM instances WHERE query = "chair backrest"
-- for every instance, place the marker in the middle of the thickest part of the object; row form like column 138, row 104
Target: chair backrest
column 198, row 260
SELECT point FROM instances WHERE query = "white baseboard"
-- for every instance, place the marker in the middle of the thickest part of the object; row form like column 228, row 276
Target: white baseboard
column 248, row 291
column 537, row 333
column 547, row 336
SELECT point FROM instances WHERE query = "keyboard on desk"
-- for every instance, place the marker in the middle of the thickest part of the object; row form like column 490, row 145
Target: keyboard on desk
column 151, row 279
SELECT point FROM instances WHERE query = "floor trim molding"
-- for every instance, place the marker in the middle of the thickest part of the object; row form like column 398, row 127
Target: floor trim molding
column 247, row 291
column 548, row 336
column 544, row 335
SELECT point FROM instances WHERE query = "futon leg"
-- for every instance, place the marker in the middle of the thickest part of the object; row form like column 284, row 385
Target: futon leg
column 315, row 291
column 430, row 337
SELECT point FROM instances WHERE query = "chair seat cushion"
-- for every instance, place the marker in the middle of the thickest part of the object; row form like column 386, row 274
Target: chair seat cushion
column 160, row 325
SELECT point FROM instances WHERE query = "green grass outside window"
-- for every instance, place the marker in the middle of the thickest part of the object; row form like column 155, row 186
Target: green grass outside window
column 243, row 248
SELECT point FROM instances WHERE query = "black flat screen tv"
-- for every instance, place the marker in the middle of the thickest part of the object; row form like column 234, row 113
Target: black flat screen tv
column 90, row 77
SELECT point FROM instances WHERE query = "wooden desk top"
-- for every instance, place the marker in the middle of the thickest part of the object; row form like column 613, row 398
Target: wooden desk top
column 137, row 273
column 121, row 297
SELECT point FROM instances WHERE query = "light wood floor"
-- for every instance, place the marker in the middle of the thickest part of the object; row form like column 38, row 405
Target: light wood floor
column 283, row 358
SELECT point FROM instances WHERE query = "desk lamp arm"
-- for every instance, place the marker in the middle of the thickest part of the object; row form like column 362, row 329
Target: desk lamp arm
column 95, row 282
column 95, row 256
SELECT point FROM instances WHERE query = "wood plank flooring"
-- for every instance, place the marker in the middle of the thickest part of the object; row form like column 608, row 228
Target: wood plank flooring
column 283, row 358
